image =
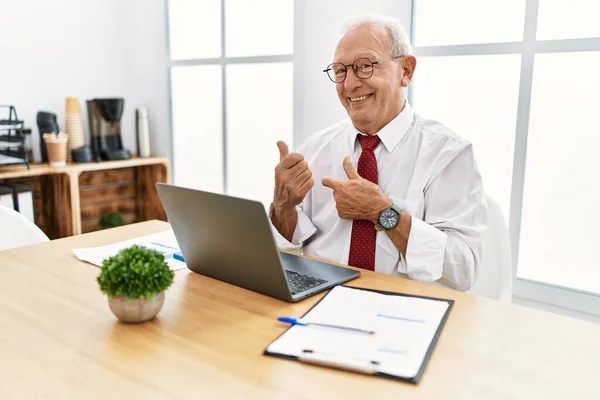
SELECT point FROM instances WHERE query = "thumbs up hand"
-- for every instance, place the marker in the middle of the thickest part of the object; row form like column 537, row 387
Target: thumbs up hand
column 293, row 179
column 357, row 198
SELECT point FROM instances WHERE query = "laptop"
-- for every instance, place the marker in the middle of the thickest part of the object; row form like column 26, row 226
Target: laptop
column 230, row 239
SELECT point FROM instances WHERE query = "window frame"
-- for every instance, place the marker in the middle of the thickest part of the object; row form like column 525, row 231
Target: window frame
column 540, row 294
column 223, row 61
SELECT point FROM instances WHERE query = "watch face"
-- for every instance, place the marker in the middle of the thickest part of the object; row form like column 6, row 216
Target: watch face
column 388, row 219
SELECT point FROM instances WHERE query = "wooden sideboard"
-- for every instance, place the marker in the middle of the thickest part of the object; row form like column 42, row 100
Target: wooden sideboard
column 70, row 200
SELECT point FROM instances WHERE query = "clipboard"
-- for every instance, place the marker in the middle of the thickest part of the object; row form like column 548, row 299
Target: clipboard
column 367, row 367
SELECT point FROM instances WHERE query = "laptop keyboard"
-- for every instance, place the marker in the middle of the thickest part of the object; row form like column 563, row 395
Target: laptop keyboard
column 300, row 283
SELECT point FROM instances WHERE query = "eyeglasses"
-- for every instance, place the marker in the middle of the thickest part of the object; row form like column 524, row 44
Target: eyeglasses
column 363, row 69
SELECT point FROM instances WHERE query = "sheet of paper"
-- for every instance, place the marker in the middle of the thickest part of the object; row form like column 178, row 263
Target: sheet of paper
column 163, row 242
column 4, row 159
column 404, row 326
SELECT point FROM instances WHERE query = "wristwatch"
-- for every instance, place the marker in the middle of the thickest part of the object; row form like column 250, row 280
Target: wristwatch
column 388, row 218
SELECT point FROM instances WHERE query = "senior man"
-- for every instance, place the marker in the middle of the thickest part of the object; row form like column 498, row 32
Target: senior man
column 414, row 205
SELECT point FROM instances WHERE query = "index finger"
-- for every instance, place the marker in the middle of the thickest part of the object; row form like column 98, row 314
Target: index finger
column 329, row 182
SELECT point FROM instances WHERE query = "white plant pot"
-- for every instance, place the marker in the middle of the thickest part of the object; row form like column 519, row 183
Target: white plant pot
column 135, row 311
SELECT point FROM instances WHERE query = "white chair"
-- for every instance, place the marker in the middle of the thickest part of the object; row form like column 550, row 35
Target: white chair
column 496, row 273
column 16, row 230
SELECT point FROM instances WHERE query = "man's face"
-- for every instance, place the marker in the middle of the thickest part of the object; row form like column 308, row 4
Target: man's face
column 373, row 102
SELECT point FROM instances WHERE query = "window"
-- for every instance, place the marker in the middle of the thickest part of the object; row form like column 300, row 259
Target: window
column 561, row 173
column 519, row 79
column 451, row 22
column 231, row 93
column 258, row 127
column 571, row 19
column 259, row 27
column 194, row 29
column 464, row 93
column 196, row 101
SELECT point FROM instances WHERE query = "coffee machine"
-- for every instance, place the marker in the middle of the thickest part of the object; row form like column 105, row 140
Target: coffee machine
column 104, row 117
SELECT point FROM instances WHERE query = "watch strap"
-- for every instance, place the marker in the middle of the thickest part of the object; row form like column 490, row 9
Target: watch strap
column 396, row 209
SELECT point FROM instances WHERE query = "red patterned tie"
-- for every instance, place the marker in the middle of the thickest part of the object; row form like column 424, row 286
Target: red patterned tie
column 362, row 241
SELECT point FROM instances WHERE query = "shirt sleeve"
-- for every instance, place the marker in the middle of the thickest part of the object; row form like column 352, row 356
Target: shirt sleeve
column 447, row 245
column 304, row 230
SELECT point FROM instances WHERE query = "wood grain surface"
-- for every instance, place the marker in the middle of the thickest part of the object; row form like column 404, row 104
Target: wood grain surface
column 59, row 340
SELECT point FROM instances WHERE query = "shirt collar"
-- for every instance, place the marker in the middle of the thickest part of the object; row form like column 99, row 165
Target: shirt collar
column 394, row 131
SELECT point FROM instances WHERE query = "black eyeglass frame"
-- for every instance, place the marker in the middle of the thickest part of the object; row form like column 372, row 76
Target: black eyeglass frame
column 355, row 68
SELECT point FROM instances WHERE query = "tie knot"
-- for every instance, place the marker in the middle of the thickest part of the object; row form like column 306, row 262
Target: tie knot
column 368, row 142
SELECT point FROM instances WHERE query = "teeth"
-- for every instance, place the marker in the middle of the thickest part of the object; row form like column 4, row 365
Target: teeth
column 358, row 98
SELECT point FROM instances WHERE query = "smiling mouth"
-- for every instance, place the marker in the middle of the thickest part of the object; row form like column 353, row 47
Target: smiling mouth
column 359, row 98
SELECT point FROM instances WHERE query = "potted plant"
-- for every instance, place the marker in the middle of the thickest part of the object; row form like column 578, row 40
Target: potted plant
column 111, row 220
column 135, row 280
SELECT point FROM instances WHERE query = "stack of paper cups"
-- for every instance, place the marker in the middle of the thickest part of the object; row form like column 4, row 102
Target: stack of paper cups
column 73, row 125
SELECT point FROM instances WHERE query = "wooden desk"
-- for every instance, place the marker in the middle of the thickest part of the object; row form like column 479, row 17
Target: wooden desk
column 63, row 195
column 58, row 339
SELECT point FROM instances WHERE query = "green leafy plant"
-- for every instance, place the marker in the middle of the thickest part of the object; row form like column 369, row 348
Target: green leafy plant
column 135, row 272
column 112, row 220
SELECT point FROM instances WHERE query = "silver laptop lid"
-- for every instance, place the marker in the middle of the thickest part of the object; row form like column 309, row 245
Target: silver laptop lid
column 225, row 238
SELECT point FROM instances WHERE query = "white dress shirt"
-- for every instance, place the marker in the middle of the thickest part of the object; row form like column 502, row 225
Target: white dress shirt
column 424, row 168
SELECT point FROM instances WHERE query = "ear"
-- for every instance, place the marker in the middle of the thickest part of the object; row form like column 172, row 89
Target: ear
column 408, row 66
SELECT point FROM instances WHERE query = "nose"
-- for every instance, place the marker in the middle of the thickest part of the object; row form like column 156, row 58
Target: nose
column 352, row 81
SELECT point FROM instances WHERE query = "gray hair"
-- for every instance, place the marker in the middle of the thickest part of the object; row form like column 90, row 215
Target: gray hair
column 400, row 40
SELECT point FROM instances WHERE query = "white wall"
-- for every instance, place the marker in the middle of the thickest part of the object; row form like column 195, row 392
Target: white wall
column 317, row 31
column 52, row 49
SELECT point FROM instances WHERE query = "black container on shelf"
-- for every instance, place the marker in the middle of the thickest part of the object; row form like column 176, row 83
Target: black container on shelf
column 82, row 155
column 104, row 117
column 47, row 123
column 12, row 138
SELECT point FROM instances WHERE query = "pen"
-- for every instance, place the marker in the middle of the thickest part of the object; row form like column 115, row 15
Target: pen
column 297, row 321
column 163, row 245
column 334, row 361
